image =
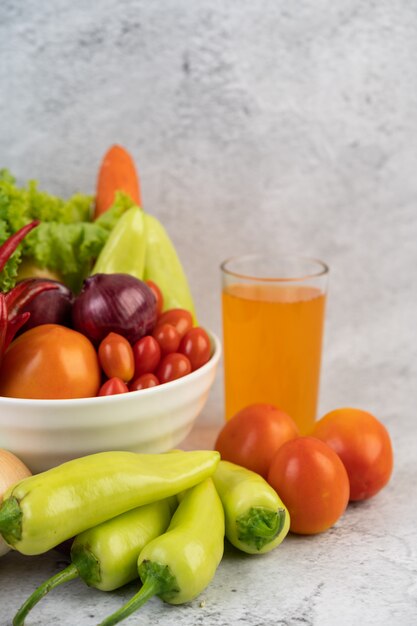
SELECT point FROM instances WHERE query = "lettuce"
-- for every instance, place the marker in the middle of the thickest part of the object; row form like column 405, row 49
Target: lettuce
column 66, row 241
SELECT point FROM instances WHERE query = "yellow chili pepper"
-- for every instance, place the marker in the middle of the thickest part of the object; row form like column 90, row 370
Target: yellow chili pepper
column 178, row 565
column 256, row 518
column 105, row 557
column 163, row 267
column 125, row 249
column 43, row 510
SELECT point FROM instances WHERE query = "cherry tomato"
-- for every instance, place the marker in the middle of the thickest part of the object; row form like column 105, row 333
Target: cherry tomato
column 173, row 366
column 113, row 386
column 158, row 296
column 181, row 319
column 50, row 361
column 168, row 338
column 196, row 345
column 312, row 482
column 252, row 436
column 147, row 354
column 116, row 357
column 144, row 382
column 364, row 446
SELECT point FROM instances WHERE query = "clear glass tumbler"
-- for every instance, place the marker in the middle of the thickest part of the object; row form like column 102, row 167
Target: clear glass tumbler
column 273, row 323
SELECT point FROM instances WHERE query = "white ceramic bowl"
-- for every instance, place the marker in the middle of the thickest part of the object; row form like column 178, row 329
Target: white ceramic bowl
column 45, row 433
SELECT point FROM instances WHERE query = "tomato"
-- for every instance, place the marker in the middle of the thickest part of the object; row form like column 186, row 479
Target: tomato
column 147, row 354
column 196, row 346
column 116, row 357
column 364, row 446
column 168, row 338
column 158, row 296
column 113, row 386
column 312, row 482
column 144, row 382
column 181, row 319
column 50, row 361
column 173, row 366
column 252, row 436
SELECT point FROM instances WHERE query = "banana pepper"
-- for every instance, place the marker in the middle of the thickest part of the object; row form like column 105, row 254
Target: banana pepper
column 256, row 518
column 124, row 250
column 163, row 267
column 41, row 511
column 179, row 564
column 105, row 557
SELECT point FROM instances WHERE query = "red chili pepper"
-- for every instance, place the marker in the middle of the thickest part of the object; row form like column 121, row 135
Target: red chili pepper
column 25, row 290
column 11, row 304
column 10, row 245
column 13, row 326
column 3, row 323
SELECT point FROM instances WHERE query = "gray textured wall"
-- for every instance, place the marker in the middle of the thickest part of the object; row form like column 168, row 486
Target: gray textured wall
column 290, row 126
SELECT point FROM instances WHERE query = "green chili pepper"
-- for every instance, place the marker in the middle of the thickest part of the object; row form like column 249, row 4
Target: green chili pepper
column 164, row 268
column 179, row 564
column 124, row 250
column 43, row 510
column 105, row 557
column 256, row 519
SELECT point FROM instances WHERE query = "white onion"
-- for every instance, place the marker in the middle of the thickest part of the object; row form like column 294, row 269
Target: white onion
column 12, row 470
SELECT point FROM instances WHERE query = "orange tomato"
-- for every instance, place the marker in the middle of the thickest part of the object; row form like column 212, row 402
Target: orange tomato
column 115, row 355
column 180, row 319
column 364, row 446
column 312, row 482
column 253, row 435
column 50, row 361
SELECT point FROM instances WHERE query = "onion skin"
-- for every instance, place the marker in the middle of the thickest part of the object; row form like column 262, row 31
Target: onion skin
column 50, row 307
column 117, row 303
column 12, row 470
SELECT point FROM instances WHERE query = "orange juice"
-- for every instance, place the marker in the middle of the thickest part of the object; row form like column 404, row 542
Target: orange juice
column 272, row 344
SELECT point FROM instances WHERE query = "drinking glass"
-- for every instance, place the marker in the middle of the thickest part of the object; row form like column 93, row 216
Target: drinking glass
column 273, row 321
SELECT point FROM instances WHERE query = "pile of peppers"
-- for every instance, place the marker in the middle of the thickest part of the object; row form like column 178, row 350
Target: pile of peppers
column 12, row 303
column 161, row 518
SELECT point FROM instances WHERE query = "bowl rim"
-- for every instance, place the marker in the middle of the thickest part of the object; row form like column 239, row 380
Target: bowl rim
column 131, row 395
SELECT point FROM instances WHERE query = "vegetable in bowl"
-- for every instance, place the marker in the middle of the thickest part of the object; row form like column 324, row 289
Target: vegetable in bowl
column 67, row 240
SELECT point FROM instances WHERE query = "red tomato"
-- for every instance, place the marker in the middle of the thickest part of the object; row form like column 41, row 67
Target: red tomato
column 116, row 357
column 196, row 346
column 158, row 296
column 253, row 435
column 147, row 354
column 112, row 387
column 173, row 366
column 144, row 382
column 181, row 319
column 312, row 482
column 50, row 361
column 168, row 338
column 364, row 446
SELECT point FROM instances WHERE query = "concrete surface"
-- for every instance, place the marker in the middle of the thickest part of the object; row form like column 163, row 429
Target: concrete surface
column 268, row 124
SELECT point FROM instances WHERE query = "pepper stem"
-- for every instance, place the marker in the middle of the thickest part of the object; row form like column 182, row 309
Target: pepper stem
column 149, row 589
column 260, row 526
column 157, row 580
column 69, row 573
column 11, row 520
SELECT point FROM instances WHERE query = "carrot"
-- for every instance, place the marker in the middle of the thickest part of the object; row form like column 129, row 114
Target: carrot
column 117, row 173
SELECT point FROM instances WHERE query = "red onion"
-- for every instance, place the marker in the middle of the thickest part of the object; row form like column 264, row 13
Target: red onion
column 49, row 307
column 117, row 303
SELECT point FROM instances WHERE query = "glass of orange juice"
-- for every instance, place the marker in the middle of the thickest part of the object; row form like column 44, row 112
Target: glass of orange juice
column 273, row 322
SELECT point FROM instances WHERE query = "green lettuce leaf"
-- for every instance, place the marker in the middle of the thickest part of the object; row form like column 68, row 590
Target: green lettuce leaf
column 9, row 273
